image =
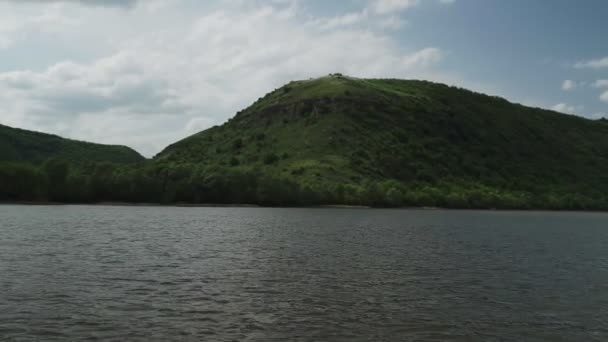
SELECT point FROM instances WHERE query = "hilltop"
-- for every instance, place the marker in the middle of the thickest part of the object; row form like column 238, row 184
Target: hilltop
column 19, row 145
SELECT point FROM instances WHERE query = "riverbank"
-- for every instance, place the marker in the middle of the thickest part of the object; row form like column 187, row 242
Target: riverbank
column 336, row 206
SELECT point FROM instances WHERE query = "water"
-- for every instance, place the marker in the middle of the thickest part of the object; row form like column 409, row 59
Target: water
column 236, row 274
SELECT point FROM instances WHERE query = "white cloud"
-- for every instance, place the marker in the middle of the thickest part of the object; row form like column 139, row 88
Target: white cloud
column 5, row 42
column 379, row 14
column 388, row 6
column 423, row 58
column 593, row 64
column 348, row 19
column 152, row 84
column 384, row 13
column 392, row 22
column 17, row 24
column 604, row 97
column 105, row 3
column 565, row 108
column 600, row 84
column 568, row 85
column 392, row 6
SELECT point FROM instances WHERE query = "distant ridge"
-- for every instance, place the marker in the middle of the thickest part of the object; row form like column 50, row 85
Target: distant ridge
column 19, row 145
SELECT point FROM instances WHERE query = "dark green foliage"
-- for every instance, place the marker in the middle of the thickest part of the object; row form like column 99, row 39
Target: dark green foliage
column 21, row 182
column 270, row 158
column 339, row 140
column 18, row 145
column 237, row 144
column 56, row 171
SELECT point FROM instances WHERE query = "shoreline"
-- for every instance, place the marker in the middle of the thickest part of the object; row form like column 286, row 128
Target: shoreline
column 326, row 206
column 185, row 205
column 128, row 204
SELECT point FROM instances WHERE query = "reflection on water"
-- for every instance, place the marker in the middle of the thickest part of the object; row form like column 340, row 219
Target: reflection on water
column 224, row 274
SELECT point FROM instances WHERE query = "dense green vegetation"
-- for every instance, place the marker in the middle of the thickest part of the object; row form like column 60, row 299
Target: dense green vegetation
column 19, row 145
column 339, row 140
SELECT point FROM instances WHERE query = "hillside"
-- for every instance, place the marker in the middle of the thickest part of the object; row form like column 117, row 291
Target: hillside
column 18, row 145
column 413, row 142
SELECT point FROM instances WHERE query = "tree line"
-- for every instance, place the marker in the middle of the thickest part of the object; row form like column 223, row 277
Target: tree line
column 169, row 183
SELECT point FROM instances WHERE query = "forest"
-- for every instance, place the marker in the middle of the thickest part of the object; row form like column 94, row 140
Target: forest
column 58, row 181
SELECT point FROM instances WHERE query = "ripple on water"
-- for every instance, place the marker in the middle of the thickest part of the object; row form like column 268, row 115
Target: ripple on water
column 244, row 274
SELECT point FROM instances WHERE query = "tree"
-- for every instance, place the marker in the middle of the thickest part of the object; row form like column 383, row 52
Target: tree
column 56, row 171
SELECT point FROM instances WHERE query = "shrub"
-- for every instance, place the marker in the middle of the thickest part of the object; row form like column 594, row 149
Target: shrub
column 270, row 158
column 237, row 144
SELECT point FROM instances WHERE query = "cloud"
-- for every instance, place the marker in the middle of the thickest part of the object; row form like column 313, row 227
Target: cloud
column 392, row 6
column 593, row 64
column 18, row 22
column 565, row 108
column 568, row 85
column 5, row 42
column 104, row 3
column 383, row 13
column 150, row 85
column 423, row 58
column 392, row 22
column 389, row 6
column 348, row 19
column 600, row 84
column 68, row 88
column 379, row 14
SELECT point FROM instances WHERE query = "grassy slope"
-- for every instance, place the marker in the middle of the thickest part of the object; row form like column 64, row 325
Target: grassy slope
column 18, row 145
column 342, row 130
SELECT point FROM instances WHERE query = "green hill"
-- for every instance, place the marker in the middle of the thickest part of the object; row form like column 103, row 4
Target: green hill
column 341, row 140
column 361, row 141
column 18, row 145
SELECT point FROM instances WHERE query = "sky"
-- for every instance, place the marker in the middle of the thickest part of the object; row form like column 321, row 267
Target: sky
column 146, row 73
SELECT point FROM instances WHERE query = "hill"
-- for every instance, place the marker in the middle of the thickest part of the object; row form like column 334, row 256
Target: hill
column 397, row 142
column 342, row 140
column 18, row 145
column 43, row 167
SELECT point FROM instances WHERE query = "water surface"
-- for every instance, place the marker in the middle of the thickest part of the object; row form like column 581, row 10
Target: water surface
column 246, row 274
